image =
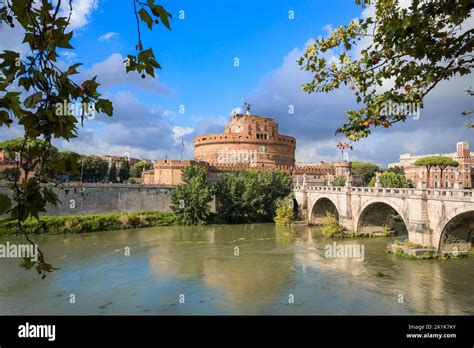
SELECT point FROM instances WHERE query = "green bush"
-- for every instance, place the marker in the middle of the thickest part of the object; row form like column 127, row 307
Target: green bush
column 331, row 227
column 88, row 223
column 251, row 196
column 284, row 213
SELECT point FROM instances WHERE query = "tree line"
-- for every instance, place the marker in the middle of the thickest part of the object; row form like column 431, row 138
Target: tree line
column 67, row 165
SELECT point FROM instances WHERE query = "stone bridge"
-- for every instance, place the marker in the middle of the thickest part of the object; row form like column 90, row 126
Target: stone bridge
column 440, row 218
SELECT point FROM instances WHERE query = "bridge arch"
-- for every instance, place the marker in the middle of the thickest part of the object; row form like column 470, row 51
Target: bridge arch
column 321, row 207
column 378, row 214
column 458, row 232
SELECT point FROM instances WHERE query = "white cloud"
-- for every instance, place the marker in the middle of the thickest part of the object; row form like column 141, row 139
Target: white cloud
column 179, row 132
column 81, row 12
column 237, row 110
column 108, row 36
column 111, row 73
column 317, row 116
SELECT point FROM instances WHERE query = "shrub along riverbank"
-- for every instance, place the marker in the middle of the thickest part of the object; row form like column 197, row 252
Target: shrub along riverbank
column 88, row 223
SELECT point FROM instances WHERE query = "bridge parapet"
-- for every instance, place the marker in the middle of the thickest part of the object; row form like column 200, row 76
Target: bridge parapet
column 437, row 194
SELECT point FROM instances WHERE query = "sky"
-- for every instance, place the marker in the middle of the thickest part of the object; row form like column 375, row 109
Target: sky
column 199, row 85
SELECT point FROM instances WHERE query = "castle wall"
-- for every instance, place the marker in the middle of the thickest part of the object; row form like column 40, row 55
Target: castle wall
column 79, row 199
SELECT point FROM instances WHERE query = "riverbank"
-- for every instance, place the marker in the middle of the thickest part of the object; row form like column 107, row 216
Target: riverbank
column 88, row 223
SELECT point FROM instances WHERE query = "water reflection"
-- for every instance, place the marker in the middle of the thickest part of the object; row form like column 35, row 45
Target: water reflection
column 238, row 269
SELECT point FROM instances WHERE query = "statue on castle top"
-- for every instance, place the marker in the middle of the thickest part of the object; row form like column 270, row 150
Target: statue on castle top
column 247, row 108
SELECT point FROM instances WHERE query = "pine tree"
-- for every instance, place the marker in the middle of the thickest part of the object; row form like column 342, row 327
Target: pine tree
column 113, row 173
column 124, row 171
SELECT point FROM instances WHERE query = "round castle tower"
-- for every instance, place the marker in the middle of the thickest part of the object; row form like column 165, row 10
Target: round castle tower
column 247, row 140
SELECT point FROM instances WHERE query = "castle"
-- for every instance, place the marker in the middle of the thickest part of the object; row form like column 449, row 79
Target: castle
column 247, row 139
column 248, row 142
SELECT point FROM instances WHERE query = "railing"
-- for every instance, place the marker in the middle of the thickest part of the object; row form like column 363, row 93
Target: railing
column 429, row 193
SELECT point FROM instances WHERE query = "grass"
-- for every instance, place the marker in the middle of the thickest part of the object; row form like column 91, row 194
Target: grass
column 88, row 223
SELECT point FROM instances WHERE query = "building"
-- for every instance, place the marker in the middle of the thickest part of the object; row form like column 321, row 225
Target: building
column 165, row 172
column 118, row 160
column 453, row 177
column 5, row 161
column 247, row 139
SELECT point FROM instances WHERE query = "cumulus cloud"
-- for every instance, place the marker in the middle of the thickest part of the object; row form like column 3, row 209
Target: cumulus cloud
column 108, row 36
column 313, row 119
column 179, row 132
column 237, row 110
column 111, row 73
column 81, row 12
column 134, row 128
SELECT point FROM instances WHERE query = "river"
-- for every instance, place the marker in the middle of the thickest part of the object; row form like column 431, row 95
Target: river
column 229, row 269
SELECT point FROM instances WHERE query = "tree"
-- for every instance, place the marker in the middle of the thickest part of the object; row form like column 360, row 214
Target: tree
column 365, row 170
column 392, row 180
column 190, row 200
column 250, row 195
column 284, row 212
column 442, row 162
column 339, row 181
column 113, row 173
column 44, row 85
column 61, row 162
column 397, row 170
column 94, row 169
column 414, row 47
column 137, row 169
column 124, row 170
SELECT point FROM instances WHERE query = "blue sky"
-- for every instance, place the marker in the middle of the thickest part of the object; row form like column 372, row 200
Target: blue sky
column 198, row 73
column 197, row 55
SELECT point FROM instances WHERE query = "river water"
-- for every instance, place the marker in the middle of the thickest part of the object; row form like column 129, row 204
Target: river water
column 230, row 269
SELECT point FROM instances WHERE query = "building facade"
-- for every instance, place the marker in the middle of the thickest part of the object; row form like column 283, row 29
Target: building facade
column 453, row 177
column 118, row 160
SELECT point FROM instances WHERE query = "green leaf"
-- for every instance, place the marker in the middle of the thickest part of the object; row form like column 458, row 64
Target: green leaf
column 27, row 263
column 5, row 203
column 104, row 105
column 31, row 101
column 145, row 17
